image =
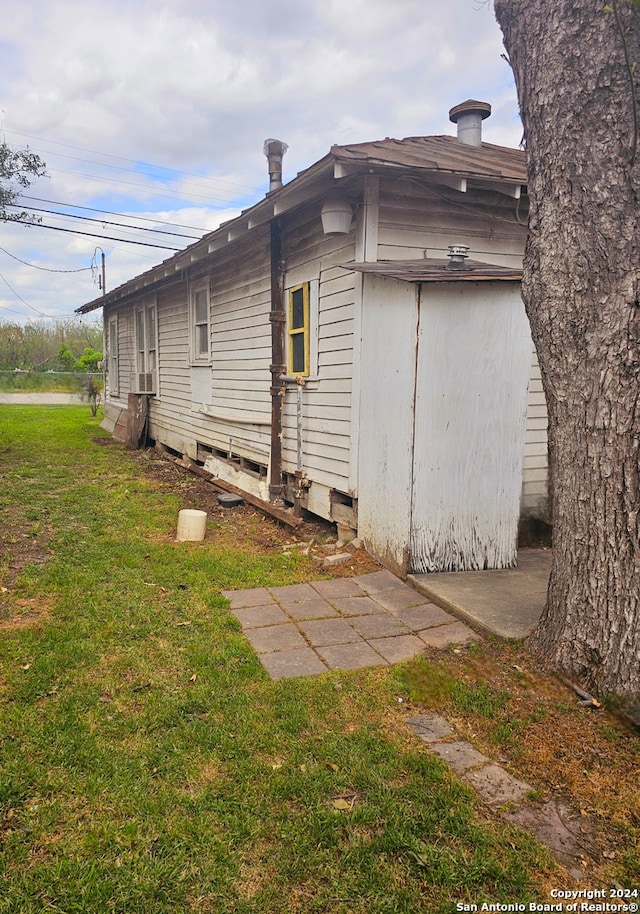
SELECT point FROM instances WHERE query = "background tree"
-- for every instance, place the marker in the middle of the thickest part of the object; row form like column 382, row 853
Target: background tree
column 575, row 67
column 38, row 346
column 18, row 167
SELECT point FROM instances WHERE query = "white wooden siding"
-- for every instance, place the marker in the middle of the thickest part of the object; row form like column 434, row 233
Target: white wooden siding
column 535, row 487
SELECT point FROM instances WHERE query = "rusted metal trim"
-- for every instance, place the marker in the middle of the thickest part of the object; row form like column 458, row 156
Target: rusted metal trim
column 277, row 317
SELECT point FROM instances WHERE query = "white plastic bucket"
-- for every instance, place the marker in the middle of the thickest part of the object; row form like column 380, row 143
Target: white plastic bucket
column 191, row 526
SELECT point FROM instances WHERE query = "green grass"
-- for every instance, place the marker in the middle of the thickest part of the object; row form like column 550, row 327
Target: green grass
column 147, row 762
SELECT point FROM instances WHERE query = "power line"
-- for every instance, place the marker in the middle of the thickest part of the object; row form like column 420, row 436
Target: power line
column 58, row 228
column 138, row 228
column 46, row 269
column 24, row 302
column 108, row 212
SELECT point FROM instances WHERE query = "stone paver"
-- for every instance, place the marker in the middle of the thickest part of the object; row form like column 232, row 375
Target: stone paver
column 343, row 623
column 377, row 581
column 260, row 596
column 395, row 599
column 336, row 588
column 417, row 618
column 256, row 616
column 288, row 664
column 352, row 656
column 379, row 626
column 321, row 632
column 444, row 635
column 496, row 786
column 397, row 649
column 430, row 727
column 315, row 608
column 275, row 638
column 461, row 756
column 357, row 606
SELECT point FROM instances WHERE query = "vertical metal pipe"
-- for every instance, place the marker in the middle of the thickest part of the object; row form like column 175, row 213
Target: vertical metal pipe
column 278, row 367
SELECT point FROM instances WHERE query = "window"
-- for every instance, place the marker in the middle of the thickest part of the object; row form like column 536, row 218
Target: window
column 299, row 331
column 199, row 315
column 112, row 363
column 146, row 348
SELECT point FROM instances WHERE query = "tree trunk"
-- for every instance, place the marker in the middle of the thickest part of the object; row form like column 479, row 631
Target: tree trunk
column 575, row 65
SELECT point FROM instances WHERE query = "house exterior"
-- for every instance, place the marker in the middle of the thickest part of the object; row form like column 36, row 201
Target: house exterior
column 355, row 345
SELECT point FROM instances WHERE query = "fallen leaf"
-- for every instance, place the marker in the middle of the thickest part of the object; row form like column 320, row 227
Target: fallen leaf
column 179, row 624
column 105, row 697
column 26, row 666
column 342, row 804
column 333, row 766
column 194, row 677
column 303, row 768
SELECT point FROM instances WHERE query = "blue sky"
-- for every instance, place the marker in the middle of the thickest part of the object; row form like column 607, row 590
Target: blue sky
column 156, row 112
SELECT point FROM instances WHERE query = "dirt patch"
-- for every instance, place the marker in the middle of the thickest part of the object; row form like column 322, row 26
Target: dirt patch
column 245, row 527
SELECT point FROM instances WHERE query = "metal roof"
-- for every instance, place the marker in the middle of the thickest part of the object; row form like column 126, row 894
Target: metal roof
column 440, row 158
column 432, row 270
column 439, row 153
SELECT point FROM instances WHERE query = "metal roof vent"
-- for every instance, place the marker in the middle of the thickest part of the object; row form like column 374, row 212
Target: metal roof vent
column 468, row 116
column 458, row 254
column 274, row 151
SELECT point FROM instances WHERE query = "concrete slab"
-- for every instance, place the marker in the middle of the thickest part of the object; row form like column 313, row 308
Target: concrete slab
column 397, row 649
column 504, row 603
column 444, row 635
column 308, row 609
column 418, row 618
column 402, row 596
column 381, row 625
column 321, row 632
column 377, row 581
column 289, row 664
column 496, row 786
column 22, row 398
column 461, row 756
column 430, row 727
column 350, row 656
column 337, row 588
column 357, row 606
column 257, row 616
column 239, row 599
column 273, row 638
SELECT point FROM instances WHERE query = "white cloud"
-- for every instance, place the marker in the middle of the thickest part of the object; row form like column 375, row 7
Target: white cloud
column 197, row 86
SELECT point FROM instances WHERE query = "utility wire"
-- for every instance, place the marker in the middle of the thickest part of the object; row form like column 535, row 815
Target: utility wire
column 138, row 228
column 24, row 302
column 58, row 228
column 108, row 212
column 46, row 269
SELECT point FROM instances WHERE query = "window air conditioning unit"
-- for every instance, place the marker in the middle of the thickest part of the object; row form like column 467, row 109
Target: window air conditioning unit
column 144, row 382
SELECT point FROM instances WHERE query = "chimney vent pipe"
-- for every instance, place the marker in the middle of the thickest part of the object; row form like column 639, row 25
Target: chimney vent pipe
column 274, row 151
column 468, row 116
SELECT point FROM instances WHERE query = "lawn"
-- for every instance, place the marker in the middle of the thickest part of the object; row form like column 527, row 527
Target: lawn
column 147, row 762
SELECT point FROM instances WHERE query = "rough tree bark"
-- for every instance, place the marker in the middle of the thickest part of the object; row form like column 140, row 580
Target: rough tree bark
column 577, row 70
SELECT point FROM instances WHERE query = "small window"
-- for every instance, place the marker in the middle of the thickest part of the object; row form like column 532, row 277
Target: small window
column 146, row 348
column 298, row 360
column 113, row 367
column 200, row 335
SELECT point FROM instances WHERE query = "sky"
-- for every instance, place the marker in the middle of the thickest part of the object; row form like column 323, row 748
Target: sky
column 154, row 113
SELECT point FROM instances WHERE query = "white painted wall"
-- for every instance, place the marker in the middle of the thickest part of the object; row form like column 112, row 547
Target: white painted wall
column 388, row 357
column 471, row 400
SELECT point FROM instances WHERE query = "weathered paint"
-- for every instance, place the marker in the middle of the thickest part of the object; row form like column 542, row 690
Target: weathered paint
column 471, row 398
column 389, row 326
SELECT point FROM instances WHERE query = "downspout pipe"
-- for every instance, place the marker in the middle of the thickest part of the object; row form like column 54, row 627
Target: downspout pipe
column 277, row 317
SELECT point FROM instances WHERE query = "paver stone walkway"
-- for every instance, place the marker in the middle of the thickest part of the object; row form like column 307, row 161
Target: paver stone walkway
column 343, row 623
